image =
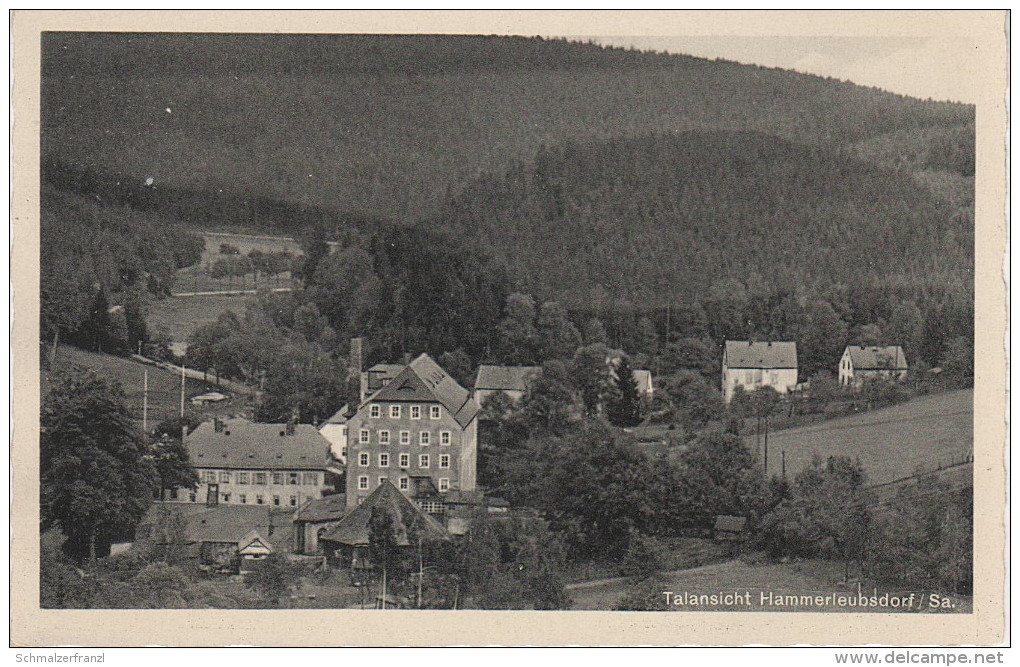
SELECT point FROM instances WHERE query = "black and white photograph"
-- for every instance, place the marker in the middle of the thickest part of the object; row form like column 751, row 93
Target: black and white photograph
column 331, row 320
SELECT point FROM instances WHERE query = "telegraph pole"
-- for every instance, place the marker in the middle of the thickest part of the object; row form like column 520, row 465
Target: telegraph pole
column 145, row 403
column 182, row 390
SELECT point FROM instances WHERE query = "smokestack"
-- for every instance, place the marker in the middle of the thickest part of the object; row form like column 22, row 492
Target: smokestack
column 355, row 360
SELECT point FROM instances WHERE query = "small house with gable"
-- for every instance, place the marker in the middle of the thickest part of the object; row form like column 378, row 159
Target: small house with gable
column 753, row 365
column 860, row 363
column 511, row 380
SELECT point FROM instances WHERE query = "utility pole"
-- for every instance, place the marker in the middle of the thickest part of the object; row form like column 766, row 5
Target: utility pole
column 784, row 464
column 182, row 390
column 421, row 572
column 145, row 402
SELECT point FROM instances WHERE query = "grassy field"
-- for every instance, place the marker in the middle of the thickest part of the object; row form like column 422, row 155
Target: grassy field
column 164, row 386
column 197, row 279
column 926, row 433
column 808, row 577
column 180, row 316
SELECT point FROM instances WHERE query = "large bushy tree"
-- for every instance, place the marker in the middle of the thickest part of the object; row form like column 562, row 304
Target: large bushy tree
column 97, row 479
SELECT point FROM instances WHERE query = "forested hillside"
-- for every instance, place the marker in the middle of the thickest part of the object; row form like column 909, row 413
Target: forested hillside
column 383, row 127
column 665, row 196
column 96, row 256
column 680, row 217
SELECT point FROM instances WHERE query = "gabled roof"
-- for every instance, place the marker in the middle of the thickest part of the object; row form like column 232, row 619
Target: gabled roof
column 254, row 542
column 227, row 523
column 424, row 381
column 506, row 378
column 386, row 369
column 329, row 508
column 772, row 354
column 354, row 528
column 872, row 357
column 246, row 445
column 339, row 417
column 642, row 377
column 644, row 380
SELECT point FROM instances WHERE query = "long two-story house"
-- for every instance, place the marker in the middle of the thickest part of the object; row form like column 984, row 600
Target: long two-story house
column 240, row 462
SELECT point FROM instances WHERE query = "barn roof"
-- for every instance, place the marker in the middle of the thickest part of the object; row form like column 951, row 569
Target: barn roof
column 354, row 528
column 339, row 417
column 246, row 445
column 227, row 523
column 506, row 378
column 771, row 354
column 329, row 508
column 423, row 380
column 872, row 357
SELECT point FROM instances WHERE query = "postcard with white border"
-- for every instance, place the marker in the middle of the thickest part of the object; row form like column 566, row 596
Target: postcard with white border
column 529, row 328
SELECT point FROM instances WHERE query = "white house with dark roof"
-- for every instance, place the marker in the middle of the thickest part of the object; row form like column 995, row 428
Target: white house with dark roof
column 420, row 423
column 860, row 362
column 753, row 365
column 334, row 430
column 240, row 462
column 511, row 380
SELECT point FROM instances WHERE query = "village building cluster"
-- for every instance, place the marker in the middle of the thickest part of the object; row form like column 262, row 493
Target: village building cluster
column 410, row 446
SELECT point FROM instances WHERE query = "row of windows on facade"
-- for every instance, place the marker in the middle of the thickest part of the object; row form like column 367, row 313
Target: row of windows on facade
column 403, row 483
column 383, row 437
column 754, row 377
column 259, row 500
column 225, row 497
column 414, row 411
column 259, row 478
column 403, row 460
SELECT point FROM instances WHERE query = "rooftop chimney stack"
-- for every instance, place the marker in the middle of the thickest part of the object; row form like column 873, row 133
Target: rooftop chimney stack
column 355, row 360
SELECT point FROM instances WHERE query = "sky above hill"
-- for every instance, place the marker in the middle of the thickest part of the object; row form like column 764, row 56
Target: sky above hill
column 937, row 68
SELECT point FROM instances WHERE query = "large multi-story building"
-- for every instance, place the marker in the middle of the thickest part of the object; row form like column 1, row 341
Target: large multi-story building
column 245, row 463
column 420, row 424
column 753, row 365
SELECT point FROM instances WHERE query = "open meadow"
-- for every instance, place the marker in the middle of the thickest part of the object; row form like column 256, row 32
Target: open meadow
column 928, row 433
column 178, row 317
column 164, row 386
